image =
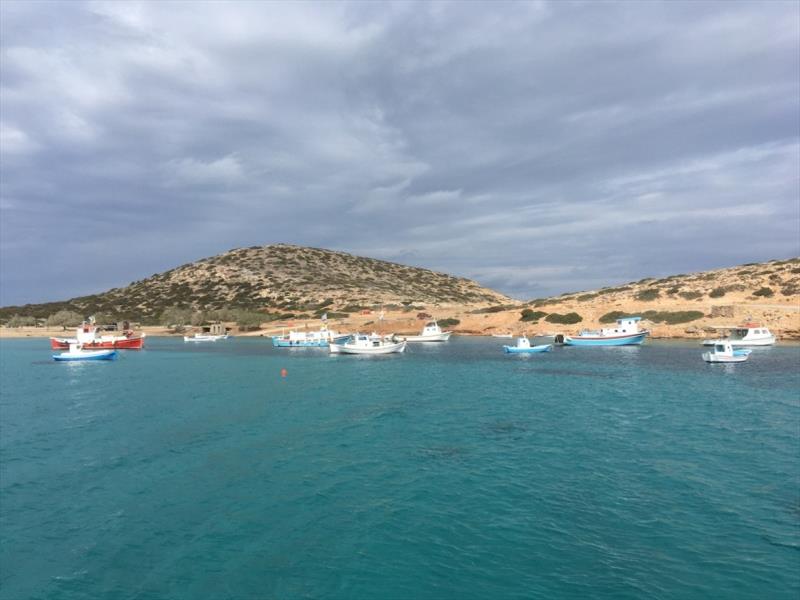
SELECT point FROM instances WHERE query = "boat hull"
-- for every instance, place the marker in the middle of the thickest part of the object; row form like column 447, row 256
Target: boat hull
column 385, row 349
column 710, row 357
column 620, row 340
column 767, row 341
column 438, row 337
column 204, row 338
column 279, row 342
column 131, row 343
column 531, row 350
column 85, row 355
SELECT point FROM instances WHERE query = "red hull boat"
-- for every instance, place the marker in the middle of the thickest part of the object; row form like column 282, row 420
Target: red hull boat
column 134, row 342
column 86, row 335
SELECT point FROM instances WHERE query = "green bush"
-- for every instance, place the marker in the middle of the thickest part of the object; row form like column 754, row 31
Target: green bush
column 764, row 292
column 249, row 320
column 672, row 317
column 612, row 316
column 790, row 290
column 567, row 319
column 19, row 321
column 176, row 318
column 647, row 295
column 492, row 309
column 717, row 292
column 587, row 297
column 691, row 295
column 449, row 322
column 529, row 315
column 65, row 318
column 615, row 290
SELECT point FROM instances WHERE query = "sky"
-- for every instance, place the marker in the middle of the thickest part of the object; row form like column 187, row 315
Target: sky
column 535, row 147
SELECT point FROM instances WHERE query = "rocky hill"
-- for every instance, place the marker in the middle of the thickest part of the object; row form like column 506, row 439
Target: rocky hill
column 677, row 306
column 280, row 279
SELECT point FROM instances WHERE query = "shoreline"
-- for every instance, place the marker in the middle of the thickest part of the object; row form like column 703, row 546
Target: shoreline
column 23, row 333
column 782, row 319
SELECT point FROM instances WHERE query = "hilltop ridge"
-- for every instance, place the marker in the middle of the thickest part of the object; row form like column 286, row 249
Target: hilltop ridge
column 684, row 305
column 279, row 277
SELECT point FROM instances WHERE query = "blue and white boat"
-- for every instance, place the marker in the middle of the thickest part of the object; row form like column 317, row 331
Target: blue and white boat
column 76, row 352
column 309, row 339
column 524, row 347
column 724, row 352
column 625, row 333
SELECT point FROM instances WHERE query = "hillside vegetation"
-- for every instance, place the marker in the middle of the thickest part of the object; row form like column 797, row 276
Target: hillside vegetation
column 279, row 278
column 675, row 306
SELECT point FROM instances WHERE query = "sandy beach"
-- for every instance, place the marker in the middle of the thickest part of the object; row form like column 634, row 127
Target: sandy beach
column 782, row 317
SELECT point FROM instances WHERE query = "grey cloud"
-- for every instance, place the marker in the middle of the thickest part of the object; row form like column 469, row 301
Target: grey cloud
column 538, row 147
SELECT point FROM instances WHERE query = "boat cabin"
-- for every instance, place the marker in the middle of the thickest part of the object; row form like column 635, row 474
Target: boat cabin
column 625, row 325
column 431, row 328
column 523, row 342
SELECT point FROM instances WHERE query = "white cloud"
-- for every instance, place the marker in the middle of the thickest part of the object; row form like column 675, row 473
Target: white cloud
column 226, row 170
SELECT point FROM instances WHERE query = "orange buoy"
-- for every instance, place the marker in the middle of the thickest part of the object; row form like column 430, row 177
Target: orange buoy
column 284, row 372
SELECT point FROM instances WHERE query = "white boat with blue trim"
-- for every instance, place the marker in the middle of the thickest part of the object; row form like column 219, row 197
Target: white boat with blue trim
column 625, row 333
column 724, row 352
column 524, row 347
column 76, row 352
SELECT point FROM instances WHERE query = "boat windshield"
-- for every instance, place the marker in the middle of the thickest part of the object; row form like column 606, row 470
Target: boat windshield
column 719, row 348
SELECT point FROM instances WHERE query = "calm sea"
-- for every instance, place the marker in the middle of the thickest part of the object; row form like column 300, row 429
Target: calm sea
column 453, row 471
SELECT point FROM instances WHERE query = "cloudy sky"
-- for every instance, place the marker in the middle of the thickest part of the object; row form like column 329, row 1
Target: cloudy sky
column 536, row 147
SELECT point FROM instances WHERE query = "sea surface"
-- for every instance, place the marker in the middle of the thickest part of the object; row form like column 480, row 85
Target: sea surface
column 452, row 471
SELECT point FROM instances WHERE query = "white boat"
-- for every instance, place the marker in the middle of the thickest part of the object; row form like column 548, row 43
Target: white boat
column 305, row 339
column 748, row 334
column 430, row 333
column 524, row 347
column 88, row 337
column 361, row 343
column 505, row 336
column 199, row 337
column 723, row 352
column 76, row 352
column 625, row 333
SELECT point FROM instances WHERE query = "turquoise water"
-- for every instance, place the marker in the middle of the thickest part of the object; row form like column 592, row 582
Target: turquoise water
column 453, row 471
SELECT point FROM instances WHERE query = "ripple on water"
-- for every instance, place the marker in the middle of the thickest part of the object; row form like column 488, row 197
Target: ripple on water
column 450, row 473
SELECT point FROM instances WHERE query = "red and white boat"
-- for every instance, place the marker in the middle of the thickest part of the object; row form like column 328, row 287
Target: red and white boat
column 87, row 336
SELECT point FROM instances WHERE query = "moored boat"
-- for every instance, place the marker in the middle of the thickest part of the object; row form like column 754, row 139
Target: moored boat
column 747, row 334
column 524, row 347
column 507, row 336
column 724, row 352
column 361, row 343
column 87, row 336
column 200, row 337
column 309, row 339
column 76, row 352
column 430, row 333
column 625, row 333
